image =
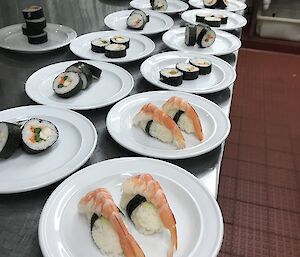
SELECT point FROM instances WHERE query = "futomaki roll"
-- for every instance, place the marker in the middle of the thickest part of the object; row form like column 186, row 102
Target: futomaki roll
column 204, row 65
column 67, row 84
column 190, row 35
column 189, row 71
column 33, row 12
column 205, row 36
column 36, row 24
column 115, row 51
column 160, row 5
column 213, row 21
column 210, row 3
column 171, row 76
column 10, row 139
column 137, row 20
column 98, row 45
column 222, row 4
column 84, row 72
column 120, row 40
column 38, row 135
column 38, row 39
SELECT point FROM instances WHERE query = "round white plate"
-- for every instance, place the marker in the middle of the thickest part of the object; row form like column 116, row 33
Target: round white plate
column 64, row 232
column 159, row 22
column 233, row 6
column 77, row 141
column 221, row 76
column 139, row 46
column 119, row 123
column 114, row 84
column 12, row 38
column 234, row 21
column 225, row 42
column 174, row 6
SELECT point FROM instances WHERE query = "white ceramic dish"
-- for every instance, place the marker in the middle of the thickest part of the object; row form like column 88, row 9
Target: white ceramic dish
column 119, row 123
column 12, row 38
column 159, row 22
column 64, row 232
column 233, row 6
column 234, row 21
column 221, row 76
column 139, row 46
column 225, row 42
column 114, row 84
column 174, row 6
column 77, row 141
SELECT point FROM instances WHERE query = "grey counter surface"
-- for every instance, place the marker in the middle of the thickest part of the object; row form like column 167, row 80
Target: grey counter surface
column 19, row 213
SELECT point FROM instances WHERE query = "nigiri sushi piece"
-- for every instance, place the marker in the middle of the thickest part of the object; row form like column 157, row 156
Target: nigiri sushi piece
column 184, row 115
column 108, row 229
column 156, row 123
column 146, row 204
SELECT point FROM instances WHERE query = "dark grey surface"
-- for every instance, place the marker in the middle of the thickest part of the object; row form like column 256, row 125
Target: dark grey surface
column 19, row 213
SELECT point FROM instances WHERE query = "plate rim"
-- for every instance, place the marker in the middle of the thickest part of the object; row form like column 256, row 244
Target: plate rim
column 44, row 213
column 89, row 107
column 242, row 5
column 71, row 171
column 189, row 91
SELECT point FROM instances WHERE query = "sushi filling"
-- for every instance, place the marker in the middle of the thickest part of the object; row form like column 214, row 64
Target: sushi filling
column 210, row 3
column 206, row 38
column 120, row 40
column 66, row 82
column 136, row 21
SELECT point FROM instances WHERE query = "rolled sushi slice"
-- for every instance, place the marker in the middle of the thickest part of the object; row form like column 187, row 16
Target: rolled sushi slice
column 107, row 226
column 33, row 12
column 115, row 51
column 137, row 20
column 205, row 36
column 222, row 4
column 155, row 123
column 96, row 72
column 36, row 24
column 159, row 5
column 10, row 139
column 38, row 39
column 147, row 206
column 189, row 71
column 213, row 21
column 31, row 32
column 223, row 18
column 171, row 76
column 67, row 84
column 184, row 115
column 190, row 35
column 204, row 65
column 84, row 72
column 38, row 135
column 120, row 40
column 200, row 17
column 98, row 45
column 210, row 3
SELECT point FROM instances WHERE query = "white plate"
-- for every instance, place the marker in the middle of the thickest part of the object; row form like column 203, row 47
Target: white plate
column 233, row 6
column 221, row 76
column 225, row 42
column 64, row 232
column 215, row 125
column 159, row 22
column 12, row 38
column 139, row 46
column 114, row 84
column 77, row 141
column 174, row 6
column 234, row 21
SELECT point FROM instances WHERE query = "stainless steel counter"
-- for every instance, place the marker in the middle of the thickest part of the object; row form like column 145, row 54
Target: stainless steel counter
column 19, row 213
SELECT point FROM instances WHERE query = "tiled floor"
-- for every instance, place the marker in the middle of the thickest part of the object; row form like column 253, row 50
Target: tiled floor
column 259, row 190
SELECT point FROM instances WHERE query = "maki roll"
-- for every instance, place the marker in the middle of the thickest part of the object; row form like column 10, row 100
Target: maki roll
column 96, row 72
column 156, row 123
column 84, row 72
column 190, row 35
column 201, row 17
column 120, row 40
column 184, row 115
column 223, row 18
column 171, row 76
column 205, row 36
column 108, row 230
column 115, row 51
column 38, row 135
column 33, row 12
column 213, row 21
column 222, row 4
column 137, row 20
column 36, row 25
column 189, row 71
column 38, row 39
column 67, row 84
column 159, row 5
column 147, row 206
column 204, row 65
column 98, row 45
column 210, row 3
column 10, row 139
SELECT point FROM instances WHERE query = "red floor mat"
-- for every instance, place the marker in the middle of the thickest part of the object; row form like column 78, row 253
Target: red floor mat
column 259, row 190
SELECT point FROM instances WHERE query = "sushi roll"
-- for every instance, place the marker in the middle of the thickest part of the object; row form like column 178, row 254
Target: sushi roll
column 147, row 206
column 98, row 45
column 223, row 18
column 222, row 4
column 38, row 135
column 204, row 65
column 159, row 5
column 184, row 115
column 84, row 72
column 205, row 36
column 190, row 35
column 213, row 21
column 200, row 17
column 155, row 123
column 33, row 12
column 171, row 76
column 10, row 139
column 210, row 3
column 38, row 39
column 189, row 71
column 120, row 40
column 67, row 84
column 36, row 24
column 137, row 20
column 108, row 230
column 115, row 51
column 96, row 72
